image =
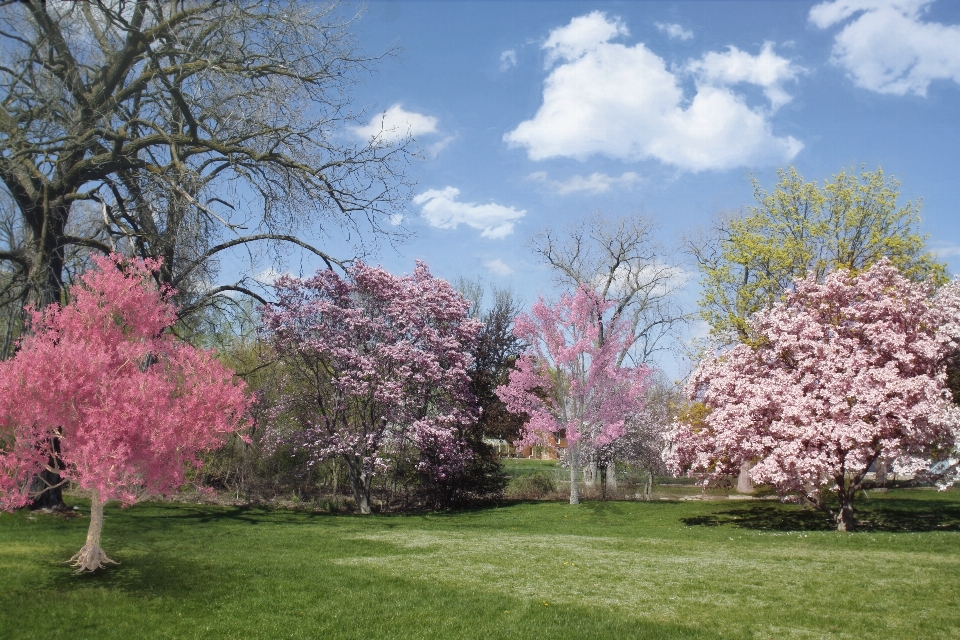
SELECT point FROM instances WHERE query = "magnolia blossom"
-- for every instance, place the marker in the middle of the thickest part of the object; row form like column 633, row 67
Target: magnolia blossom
column 568, row 381
column 842, row 373
column 376, row 362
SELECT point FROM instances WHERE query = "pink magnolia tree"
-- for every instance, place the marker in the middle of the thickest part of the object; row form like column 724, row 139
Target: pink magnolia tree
column 844, row 372
column 376, row 363
column 568, row 382
column 101, row 387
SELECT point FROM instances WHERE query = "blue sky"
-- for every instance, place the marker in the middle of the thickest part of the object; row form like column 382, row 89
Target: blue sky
column 535, row 113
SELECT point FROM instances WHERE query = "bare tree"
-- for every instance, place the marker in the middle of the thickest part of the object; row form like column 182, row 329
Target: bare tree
column 619, row 258
column 194, row 127
column 179, row 129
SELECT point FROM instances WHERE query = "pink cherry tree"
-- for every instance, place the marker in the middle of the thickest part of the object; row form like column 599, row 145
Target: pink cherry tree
column 843, row 372
column 376, row 364
column 101, row 387
column 569, row 382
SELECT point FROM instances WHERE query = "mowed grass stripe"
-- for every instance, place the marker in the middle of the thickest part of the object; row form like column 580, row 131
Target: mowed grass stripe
column 538, row 570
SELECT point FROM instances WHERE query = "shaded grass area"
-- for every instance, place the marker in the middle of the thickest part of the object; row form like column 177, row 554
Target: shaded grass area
column 532, row 570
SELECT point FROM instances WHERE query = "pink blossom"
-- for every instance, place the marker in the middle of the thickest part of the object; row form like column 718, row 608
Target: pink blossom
column 845, row 372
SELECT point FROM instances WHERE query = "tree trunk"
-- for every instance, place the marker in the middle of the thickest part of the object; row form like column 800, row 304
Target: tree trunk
column 612, row 475
column 91, row 557
column 648, row 487
column 844, row 515
column 602, row 476
column 880, row 477
column 360, row 482
column 744, row 483
column 574, row 465
column 590, row 472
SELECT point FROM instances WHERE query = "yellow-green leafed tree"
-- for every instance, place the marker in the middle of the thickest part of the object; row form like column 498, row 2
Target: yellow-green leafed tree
column 748, row 259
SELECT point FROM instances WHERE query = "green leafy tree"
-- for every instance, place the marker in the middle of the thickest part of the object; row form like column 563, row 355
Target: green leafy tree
column 749, row 259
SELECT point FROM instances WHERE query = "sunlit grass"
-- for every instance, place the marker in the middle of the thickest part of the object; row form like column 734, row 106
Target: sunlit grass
column 538, row 570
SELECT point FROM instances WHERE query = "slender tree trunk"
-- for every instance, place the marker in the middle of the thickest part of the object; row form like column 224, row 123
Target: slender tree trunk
column 602, row 476
column 880, row 477
column 574, row 466
column 590, row 472
column 612, row 475
column 648, row 487
column 91, row 557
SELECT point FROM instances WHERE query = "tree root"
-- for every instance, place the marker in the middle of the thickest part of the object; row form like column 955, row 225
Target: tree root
column 90, row 558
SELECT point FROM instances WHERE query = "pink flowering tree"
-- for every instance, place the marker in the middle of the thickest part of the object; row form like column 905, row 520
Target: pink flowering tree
column 844, row 372
column 568, row 382
column 376, row 363
column 101, row 387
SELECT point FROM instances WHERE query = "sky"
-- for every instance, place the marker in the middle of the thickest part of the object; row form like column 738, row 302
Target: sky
column 535, row 113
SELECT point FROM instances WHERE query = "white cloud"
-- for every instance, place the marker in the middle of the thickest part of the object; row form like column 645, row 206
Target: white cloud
column 622, row 101
column 396, row 219
column 396, row 124
column 583, row 35
column 508, row 59
column 269, row 276
column 887, row 48
column 441, row 209
column 674, row 31
column 595, row 183
column 767, row 70
column 498, row 267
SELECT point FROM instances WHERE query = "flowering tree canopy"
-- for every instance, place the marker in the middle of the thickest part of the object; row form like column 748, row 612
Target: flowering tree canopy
column 123, row 406
column 376, row 362
column 845, row 372
column 568, row 382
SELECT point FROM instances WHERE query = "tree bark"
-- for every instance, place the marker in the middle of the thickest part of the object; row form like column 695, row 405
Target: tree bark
column 574, row 465
column 612, row 475
column 360, row 482
column 744, row 483
column 91, row 557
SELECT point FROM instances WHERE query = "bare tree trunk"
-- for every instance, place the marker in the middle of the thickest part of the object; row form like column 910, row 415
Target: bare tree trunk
column 744, row 483
column 91, row 557
column 648, row 487
column 612, row 475
column 590, row 472
column 880, row 478
column 574, row 465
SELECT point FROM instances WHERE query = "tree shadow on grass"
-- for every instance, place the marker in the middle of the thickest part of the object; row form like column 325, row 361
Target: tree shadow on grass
column 890, row 516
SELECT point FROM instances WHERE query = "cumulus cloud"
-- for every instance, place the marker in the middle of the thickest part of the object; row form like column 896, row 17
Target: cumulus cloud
column 595, row 183
column 622, row 101
column 441, row 209
column 583, row 35
column 396, row 124
column 674, row 31
column 498, row 267
column 733, row 66
column 887, row 47
column 508, row 59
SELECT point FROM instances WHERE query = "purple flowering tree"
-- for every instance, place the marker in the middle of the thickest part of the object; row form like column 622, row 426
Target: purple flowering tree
column 376, row 363
column 569, row 382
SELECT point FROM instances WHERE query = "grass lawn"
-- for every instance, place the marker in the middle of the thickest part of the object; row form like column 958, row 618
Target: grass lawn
column 661, row 569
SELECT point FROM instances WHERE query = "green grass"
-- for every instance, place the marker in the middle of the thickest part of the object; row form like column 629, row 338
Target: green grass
column 538, row 570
